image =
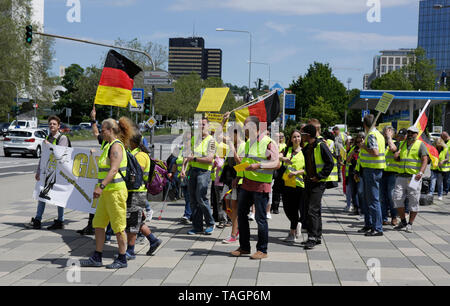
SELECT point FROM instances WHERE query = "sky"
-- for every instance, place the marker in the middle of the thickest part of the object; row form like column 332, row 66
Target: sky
column 289, row 35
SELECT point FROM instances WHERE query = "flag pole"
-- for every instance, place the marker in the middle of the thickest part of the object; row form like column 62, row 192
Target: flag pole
column 252, row 102
column 422, row 112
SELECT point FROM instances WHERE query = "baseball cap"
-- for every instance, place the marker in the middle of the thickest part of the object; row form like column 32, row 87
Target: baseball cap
column 310, row 130
column 413, row 129
column 402, row 132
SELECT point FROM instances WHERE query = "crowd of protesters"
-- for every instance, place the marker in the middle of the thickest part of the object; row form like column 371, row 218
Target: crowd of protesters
column 229, row 180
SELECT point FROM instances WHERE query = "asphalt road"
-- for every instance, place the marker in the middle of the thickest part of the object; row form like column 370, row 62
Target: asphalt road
column 18, row 165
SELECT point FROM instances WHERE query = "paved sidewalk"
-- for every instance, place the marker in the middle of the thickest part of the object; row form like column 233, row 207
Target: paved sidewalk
column 39, row 257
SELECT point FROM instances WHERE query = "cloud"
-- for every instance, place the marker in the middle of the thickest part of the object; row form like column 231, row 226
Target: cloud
column 283, row 53
column 281, row 28
column 356, row 41
column 288, row 7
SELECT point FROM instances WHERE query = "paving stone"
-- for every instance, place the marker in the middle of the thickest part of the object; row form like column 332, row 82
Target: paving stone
column 152, row 273
column 358, row 275
column 283, row 279
column 284, row 267
column 245, row 273
column 45, row 273
column 9, row 266
column 324, row 277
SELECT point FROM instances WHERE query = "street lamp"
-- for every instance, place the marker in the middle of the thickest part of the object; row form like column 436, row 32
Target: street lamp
column 267, row 64
column 250, row 57
column 17, row 95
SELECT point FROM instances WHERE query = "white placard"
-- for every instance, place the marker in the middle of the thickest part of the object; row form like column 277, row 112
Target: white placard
column 67, row 177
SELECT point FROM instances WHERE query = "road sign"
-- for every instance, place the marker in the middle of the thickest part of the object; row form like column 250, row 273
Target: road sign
column 289, row 102
column 159, row 81
column 165, row 89
column 278, row 87
column 138, row 109
column 138, row 95
column 156, row 75
column 68, row 112
column 151, row 122
column 365, row 112
column 158, row 117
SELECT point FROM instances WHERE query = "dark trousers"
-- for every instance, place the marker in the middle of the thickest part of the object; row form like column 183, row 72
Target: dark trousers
column 245, row 200
column 276, row 199
column 445, row 176
column 292, row 198
column 313, row 202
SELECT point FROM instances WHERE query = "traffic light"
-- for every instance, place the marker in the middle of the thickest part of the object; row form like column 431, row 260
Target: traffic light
column 259, row 84
column 15, row 110
column 147, row 105
column 29, row 34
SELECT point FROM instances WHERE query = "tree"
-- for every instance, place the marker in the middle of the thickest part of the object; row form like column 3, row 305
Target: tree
column 324, row 112
column 319, row 81
column 394, row 80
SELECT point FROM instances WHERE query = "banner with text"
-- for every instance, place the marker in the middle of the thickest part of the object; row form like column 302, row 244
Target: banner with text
column 67, row 177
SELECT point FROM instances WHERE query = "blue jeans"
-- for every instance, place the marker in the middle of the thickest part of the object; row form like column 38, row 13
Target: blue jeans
column 436, row 176
column 187, row 207
column 371, row 181
column 41, row 208
column 245, row 200
column 198, row 189
column 352, row 193
column 361, row 197
column 386, row 193
column 446, row 177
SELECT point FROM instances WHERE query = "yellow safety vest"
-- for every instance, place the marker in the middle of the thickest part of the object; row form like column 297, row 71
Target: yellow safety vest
column 347, row 165
column 410, row 163
column 282, row 147
column 391, row 164
column 442, row 156
column 201, row 151
column 256, row 154
column 146, row 172
column 298, row 163
column 104, row 165
column 333, row 177
column 370, row 161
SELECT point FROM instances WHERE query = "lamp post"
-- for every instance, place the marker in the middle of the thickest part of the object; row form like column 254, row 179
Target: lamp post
column 267, row 64
column 250, row 56
column 17, row 95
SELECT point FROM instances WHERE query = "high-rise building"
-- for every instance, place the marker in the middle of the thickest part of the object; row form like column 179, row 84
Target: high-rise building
column 434, row 32
column 387, row 61
column 187, row 55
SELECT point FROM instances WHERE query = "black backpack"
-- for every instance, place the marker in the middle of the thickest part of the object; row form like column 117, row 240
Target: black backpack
column 59, row 138
column 134, row 177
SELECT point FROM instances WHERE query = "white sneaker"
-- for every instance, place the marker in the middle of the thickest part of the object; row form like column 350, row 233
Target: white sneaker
column 298, row 230
column 409, row 228
column 361, row 218
column 268, row 216
column 440, row 198
column 149, row 215
column 346, row 209
column 290, row 238
column 251, row 217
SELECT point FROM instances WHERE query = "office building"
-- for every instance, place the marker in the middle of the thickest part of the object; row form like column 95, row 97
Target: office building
column 187, row 55
column 434, row 32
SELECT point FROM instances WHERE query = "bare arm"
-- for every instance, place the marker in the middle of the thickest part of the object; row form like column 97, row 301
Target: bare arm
column 94, row 127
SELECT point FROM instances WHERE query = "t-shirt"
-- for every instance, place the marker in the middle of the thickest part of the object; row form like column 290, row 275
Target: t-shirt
column 372, row 142
column 143, row 159
column 422, row 150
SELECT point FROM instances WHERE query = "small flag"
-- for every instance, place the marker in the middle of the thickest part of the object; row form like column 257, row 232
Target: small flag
column 421, row 124
column 266, row 110
column 117, row 81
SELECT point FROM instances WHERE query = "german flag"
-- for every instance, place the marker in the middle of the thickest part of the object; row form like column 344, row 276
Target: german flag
column 421, row 124
column 267, row 110
column 117, row 81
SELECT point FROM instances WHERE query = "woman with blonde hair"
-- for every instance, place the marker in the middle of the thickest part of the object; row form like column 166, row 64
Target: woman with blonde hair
column 438, row 171
column 111, row 192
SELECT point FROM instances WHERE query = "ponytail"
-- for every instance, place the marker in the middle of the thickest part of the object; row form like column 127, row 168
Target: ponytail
column 126, row 131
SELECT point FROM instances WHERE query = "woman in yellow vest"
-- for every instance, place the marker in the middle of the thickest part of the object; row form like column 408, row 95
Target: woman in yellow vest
column 111, row 191
column 137, row 200
column 294, row 184
column 437, row 172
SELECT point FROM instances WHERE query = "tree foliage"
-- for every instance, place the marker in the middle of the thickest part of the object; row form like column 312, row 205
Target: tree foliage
column 321, row 94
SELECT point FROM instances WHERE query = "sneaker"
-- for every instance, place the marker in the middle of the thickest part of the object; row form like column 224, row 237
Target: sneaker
column 373, row 234
column 268, row 216
column 193, row 232
column 251, row 217
column 210, row 229
column 259, row 255
column 409, row 228
column 117, row 264
column 347, row 209
column 365, row 229
column 239, row 252
column 34, row 224
column 290, row 238
column 149, row 215
column 153, row 247
column 230, row 239
column 221, row 224
column 107, row 239
column 140, row 239
column 88, row 230
column 56, row 225
column 275, row 211
column 184, row 219
column 130, row 256
column 361, row 218
column 310, row 244
column 440, row 198
column 318, row 242
column 90, row 263
column 400, row 226
column 298, row 230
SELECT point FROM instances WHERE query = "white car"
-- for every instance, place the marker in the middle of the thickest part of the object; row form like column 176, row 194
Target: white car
column 24, row 141
column 22, row 124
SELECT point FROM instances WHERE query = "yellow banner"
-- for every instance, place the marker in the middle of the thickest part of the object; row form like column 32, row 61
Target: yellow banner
column 382, row 125
column 212, row 99
column 403, row 125
column 214, row 117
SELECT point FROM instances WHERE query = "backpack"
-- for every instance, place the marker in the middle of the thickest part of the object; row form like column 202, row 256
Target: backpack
column 157, row 178
column 135, row 176
column 59, row 138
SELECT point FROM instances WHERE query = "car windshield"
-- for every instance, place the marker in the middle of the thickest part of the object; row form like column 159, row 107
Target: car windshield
column 22, row 123
column 20, row 134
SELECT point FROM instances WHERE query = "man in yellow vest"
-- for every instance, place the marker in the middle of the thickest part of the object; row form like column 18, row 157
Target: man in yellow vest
column 262, row 155
column 372, row 158
column 319, row 164
column 446, row 176
column 200, row 162
column 413, row 158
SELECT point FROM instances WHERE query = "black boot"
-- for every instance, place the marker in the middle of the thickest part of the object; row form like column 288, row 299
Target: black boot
column 34, row 224
column 88, row 230
column 56, row 225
